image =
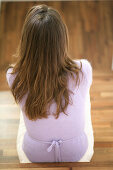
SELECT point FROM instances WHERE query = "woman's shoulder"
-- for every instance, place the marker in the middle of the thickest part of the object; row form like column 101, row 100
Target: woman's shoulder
column 9, row 70
column 86, row 69
column 10, row 77
column 85, row 63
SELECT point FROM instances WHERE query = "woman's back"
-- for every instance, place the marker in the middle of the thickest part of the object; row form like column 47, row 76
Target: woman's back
column 69, row 129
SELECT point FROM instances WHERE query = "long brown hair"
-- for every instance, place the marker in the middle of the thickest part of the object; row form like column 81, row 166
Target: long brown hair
column 43, row 63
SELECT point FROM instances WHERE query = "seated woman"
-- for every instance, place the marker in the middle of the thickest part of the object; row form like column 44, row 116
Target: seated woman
column 53, row 92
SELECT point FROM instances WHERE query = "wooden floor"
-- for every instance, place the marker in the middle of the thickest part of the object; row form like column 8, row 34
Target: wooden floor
column 102, row 119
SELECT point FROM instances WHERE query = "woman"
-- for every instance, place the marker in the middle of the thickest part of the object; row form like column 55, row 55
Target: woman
column 52, row 91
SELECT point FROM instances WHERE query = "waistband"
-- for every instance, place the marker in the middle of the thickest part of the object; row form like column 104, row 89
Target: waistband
column 56, row 144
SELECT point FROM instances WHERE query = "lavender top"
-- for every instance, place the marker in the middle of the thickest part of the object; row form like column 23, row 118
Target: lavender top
column 65, row 134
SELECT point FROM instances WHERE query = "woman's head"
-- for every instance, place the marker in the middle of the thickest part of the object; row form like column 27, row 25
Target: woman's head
column 43, row 63
column 44, row 38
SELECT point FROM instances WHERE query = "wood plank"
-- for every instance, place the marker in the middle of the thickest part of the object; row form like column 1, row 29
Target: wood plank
column 90, row 30
column 58, row 164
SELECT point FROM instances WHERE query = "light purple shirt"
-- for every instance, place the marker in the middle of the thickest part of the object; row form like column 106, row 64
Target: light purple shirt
column 62, row 139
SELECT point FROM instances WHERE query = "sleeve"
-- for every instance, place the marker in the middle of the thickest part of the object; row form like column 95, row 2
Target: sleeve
column 87, row 69
column 9, row 77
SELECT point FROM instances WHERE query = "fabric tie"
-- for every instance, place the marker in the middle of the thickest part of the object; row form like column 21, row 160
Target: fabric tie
column 56, row 144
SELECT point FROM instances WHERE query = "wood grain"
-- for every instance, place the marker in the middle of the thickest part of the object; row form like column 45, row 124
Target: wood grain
column 89, row 25
column 60, row 165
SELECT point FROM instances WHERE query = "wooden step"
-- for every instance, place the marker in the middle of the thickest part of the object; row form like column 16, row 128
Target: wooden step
column 60, row 166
